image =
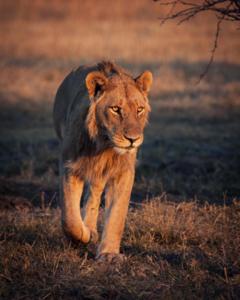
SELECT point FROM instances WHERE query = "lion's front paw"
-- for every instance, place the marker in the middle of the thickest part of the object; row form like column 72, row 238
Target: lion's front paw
column 113, row 258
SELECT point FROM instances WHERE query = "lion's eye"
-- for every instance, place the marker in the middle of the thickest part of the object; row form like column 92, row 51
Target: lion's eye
column 116, row 109
column 140, row 109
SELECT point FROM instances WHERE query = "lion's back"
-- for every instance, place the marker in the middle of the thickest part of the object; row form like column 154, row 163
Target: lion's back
column 72, row 87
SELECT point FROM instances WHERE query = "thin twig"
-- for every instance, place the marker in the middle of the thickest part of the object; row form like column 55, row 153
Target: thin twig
column 215, row 45
column 225, row 10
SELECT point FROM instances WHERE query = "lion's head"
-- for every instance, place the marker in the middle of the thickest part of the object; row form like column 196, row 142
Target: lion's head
column 119, row 107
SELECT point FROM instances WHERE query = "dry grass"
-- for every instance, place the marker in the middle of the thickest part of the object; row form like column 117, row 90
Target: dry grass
column 175, row 251
column 184, row 244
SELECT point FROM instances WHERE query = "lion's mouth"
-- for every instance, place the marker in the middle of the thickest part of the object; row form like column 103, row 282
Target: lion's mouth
column 127, row 147
column 122, row 150
column 123, row 145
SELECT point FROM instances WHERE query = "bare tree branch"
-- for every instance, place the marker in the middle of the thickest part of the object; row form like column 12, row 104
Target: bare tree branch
column 182, row 10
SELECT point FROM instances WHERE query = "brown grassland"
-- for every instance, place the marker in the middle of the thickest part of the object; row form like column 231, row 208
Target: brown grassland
column 182, row 237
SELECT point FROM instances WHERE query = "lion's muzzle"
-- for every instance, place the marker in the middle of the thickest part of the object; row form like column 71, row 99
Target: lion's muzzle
column 127, row 143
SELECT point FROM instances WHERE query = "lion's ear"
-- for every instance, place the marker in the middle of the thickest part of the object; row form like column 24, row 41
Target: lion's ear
column 144, row 81
column 96, row 83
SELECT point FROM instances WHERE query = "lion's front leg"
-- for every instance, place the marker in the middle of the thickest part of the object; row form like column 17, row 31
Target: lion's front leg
column 117, row 201
column 91, row 208
column 72, row 223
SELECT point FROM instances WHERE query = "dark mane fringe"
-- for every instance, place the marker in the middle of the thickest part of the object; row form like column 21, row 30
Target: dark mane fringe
column 109, row 68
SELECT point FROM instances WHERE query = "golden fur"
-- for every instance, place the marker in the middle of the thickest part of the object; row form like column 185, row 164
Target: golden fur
column 99, row 116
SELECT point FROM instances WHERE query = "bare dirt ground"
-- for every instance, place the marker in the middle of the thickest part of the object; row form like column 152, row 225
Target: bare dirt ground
column 182, row 234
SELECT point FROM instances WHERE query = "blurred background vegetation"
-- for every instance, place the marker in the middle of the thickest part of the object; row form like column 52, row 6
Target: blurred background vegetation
column 191, row 148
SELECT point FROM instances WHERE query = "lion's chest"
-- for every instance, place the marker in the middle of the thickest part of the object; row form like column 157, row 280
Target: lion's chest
column 102, row 166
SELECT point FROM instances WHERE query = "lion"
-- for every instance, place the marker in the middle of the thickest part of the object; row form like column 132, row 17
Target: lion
column 100, row 112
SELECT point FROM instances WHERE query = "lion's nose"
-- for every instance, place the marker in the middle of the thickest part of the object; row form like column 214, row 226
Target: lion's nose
column 132, row 139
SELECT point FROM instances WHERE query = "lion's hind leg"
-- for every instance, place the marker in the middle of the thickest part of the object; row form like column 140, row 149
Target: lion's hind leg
column 117, row 201
column 91, row 208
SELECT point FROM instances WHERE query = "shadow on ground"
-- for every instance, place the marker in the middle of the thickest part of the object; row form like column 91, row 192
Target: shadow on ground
column 190, row 150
